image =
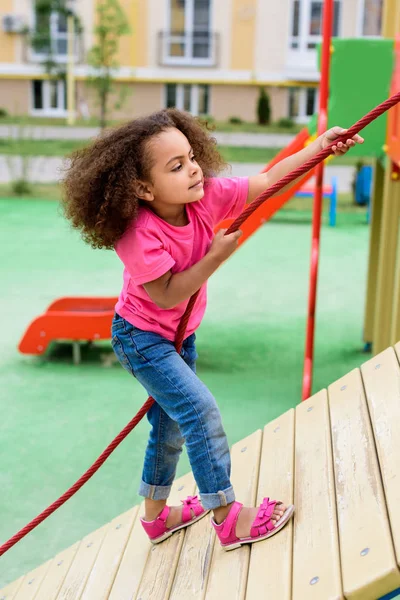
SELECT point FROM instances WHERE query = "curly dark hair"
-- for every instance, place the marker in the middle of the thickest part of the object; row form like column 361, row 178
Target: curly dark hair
column 99, row 187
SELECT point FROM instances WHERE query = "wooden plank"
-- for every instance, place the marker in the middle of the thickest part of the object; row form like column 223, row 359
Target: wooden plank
column 367, row 555
column 107, row 562
column 82, row 564
column 8, row 593
column 56, row 574
column 381, row 376
column 194, row 562
column 163, row 558
column 276, row 480
column 129, row 575
column 316, row 562
column 229, row 570
column 32, row 582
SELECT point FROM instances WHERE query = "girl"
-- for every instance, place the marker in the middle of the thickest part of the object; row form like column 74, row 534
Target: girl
column 150, row 190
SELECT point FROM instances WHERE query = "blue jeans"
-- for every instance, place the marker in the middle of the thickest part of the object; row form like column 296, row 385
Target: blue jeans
column 184, row 411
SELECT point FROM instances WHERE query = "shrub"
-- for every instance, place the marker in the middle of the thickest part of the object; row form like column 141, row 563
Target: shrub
column 3, row 112
column 263, row 108
column 286, row 123
column 20, row 187
column 235, row 120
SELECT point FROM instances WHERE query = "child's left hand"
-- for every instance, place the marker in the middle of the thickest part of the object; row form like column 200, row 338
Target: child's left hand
column 342, row 147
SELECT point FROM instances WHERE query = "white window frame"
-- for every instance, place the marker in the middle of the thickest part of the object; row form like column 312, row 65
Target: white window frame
column 47, row 110
column 360, row 22
column 302, row 117
column 55, row 35
column 186, row 39
column 304, row 37
column 194, row 97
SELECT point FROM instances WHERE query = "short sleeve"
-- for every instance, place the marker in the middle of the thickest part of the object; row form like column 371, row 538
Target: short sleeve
column 143, row 254
column 225, row 197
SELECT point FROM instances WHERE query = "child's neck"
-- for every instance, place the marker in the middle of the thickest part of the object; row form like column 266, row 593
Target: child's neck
column 175, row 214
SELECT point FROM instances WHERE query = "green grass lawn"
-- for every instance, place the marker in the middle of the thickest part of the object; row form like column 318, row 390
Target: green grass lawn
column 57, row 417
column 65, row 147
column 244, row 127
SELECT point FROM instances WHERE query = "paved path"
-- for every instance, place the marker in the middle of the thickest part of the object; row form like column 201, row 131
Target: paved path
column 45, row 169
column 259, row 140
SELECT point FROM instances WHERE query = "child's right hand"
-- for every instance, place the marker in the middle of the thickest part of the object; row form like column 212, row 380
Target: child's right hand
column 224, row 245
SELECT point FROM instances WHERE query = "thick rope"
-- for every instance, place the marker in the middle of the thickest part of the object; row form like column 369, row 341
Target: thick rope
column 310, row 164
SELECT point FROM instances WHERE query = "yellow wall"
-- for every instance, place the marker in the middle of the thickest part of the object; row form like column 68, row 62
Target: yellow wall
column 391, row 18
column 7, row 40
column 15, row 96
column 133, row 47
column 244, row 13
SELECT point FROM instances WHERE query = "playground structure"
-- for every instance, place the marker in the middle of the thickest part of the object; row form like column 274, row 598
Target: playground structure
column 382, row 313
column 71, row 319
column 335, row 456
column 329, row 191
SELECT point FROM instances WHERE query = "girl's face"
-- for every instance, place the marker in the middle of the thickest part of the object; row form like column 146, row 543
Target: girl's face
column 176, row 177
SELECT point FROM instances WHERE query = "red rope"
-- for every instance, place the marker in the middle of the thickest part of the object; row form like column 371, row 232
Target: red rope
column 310, row 164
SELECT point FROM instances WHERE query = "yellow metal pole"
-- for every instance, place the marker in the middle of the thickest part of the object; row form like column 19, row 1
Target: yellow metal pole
column 386, row 263
column 70, row 71
column 374, row 244
column 395, row 328
column 380, row 304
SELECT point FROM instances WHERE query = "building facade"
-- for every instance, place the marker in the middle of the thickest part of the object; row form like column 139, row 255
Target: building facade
column 205, row 56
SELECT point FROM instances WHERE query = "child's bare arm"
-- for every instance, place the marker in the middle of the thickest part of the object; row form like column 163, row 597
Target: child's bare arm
column 259, row 183
column 171, row 289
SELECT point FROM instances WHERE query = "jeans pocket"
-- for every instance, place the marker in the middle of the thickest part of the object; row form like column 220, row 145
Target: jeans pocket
column 121, row 354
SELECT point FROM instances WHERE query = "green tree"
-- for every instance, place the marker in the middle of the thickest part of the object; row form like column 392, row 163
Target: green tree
column 263, row 108
column 111, row 25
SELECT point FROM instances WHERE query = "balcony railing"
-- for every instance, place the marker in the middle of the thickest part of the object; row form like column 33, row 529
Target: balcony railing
column 191, row 48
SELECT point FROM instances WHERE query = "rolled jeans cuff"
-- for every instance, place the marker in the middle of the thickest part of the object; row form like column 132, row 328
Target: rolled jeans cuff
column 154, row 492
column 221, row 498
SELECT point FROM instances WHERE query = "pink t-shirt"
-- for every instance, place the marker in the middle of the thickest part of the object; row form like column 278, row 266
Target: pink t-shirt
column 150, row 247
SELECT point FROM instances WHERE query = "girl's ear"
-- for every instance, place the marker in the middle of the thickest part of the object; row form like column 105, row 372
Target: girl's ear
column 143, row 191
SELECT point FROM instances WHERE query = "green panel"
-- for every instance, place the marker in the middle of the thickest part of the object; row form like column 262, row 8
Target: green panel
column 361, row 73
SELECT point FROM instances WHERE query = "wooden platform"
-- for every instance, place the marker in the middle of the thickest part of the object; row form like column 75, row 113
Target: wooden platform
column 337, row 456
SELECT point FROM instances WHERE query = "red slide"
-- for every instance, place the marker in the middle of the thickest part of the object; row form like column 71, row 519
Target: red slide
column 69, row 319
column 89, row 318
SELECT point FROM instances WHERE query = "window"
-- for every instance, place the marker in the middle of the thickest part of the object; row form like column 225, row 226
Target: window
column 189, row 39
column 49, row 98
column 372, row 13
column 56, row 25
column 306, row 28
column 186, row 96
column 302, row 104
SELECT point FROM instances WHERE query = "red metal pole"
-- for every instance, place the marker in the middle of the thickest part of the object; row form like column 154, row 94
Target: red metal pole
column 327, row 25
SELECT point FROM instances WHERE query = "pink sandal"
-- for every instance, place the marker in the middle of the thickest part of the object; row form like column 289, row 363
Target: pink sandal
column 262, row 527
column 158, row 531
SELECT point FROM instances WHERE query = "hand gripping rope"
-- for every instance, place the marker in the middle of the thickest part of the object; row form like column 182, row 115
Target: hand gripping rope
column 310, row 164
